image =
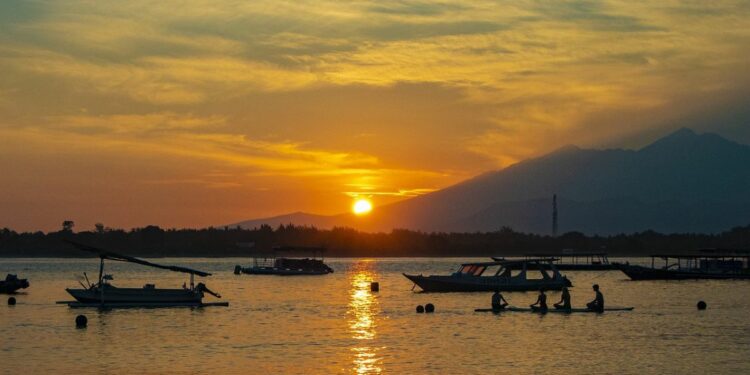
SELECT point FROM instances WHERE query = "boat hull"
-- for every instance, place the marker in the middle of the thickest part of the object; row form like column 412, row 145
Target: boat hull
column 484, row 284
column 114, row 295
column 647, row 273
column 283, row 272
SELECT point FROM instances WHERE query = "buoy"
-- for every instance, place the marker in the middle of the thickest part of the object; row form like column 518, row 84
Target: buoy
column 702, row 305
column 420, row 309
column 237, row 269
column 81, row 321
column 374, row 286
column 11, row 301
column 428, row 308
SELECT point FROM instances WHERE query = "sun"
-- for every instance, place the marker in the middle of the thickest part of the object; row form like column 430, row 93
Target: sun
column 361, row 206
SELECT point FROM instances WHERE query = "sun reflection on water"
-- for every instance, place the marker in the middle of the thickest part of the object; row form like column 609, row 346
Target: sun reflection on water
column 363, row 307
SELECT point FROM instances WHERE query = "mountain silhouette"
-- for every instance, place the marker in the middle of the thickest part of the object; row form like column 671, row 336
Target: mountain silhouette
column 684, row 182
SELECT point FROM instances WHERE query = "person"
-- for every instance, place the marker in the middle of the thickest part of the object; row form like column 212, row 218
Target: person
column 564, row 303
column 498, row 301
column 598, row 303
column 541, row 302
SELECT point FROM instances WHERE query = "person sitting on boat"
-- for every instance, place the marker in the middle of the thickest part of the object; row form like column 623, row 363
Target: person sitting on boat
column 498, row 301
column 598, row 303
column 564, row 303
column 541, row 302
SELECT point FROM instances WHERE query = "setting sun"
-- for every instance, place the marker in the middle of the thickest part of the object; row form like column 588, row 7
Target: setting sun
column 361, row 207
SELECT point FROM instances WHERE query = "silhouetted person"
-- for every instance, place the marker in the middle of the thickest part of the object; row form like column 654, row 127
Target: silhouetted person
column 541, row 302
column 498, row 301
column 564, row 303
column 598, row 303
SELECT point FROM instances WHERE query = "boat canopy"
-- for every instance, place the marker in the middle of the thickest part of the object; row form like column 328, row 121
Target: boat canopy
column 106, row 254
column 503, row 262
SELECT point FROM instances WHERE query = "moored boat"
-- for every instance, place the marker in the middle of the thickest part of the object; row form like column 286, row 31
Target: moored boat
column 708, row 264
column 496, row 275
column 103, row 293
column 12, row 284
column 272, row 264
column 576, row 261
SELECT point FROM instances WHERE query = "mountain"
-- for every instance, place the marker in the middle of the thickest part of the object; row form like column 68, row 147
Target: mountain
column 684, row 182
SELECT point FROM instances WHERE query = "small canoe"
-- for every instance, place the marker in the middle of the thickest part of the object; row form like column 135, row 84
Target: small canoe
column 553, row 310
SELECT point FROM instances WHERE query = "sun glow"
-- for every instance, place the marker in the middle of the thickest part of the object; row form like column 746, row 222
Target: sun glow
column 362, row 207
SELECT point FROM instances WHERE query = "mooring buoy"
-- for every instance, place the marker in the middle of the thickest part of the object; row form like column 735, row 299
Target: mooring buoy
column 11, row 301
column 420, row 309
column 429, row 308
column 702, row 305
column 81, row 321
column 374, row 286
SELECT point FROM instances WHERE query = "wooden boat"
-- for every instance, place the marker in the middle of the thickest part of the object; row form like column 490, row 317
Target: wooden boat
column 495, row 275
column 553, row 310
column 12, row 284
column 272, row 264
column 103, row 293
column 577, row 261
column 707, row 264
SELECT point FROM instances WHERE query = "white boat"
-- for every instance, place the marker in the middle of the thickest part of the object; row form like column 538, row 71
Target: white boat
column 500, row 275
column 104, row 293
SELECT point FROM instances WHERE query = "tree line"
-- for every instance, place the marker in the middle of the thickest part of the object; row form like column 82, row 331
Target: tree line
column 152, row 241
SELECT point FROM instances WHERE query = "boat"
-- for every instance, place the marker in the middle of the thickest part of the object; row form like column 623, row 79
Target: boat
column 553, row 310
column 272, row 264
column 577, row 261
column 496, row 275
column 12, row 284
column 103, row 293
column 706, row 264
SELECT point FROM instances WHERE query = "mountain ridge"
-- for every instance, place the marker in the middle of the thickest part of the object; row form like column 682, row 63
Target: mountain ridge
column 681, row 182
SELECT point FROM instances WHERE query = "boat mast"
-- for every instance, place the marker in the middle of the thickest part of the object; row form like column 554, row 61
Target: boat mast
column 101, row 280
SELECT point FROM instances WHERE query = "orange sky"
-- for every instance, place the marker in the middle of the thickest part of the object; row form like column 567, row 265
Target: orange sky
column 211, row 112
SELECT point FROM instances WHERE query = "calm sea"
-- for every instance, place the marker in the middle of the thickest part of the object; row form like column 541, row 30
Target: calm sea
column 334, row 324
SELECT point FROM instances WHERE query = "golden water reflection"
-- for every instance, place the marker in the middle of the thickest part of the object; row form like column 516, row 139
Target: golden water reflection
column 363, row 309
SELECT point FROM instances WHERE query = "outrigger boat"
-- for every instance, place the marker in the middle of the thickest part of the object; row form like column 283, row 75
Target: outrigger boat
column 708, row 264
column 495, row 275
column 553, row 310
column 104, row 294
column 12, row 284
column 577, row 261
column 272, row 264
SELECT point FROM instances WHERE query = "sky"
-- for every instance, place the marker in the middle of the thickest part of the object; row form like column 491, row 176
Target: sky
column 199, row 113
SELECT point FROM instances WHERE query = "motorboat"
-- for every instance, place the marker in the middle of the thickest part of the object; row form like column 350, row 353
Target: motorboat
column 500, row 275
column 12, row 284
column 707, row 264
column 104, row 293
column 576, row 261
column 273, row 264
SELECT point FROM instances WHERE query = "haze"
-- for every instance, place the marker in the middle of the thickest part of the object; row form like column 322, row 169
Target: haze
column 189, row 115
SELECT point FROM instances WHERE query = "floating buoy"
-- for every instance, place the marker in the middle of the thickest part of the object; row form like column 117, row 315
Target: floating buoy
column 420, row 309
column 237, row 269
column 702, row 305
column 11, row 301
column 429, row 308
column 81, row 321
column 374, row 286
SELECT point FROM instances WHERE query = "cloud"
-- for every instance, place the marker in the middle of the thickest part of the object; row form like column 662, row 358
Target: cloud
column 327, row 98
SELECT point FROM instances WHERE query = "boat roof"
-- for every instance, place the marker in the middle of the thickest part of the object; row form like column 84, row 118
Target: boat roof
column 566, row 254
column 510, row 261
column 703, row 256
column 106, row 254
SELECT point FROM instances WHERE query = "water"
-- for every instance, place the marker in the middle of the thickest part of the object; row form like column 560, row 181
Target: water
column 334, row 324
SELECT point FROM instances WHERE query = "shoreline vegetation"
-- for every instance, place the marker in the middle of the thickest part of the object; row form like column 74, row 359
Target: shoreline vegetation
column 152, row 241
